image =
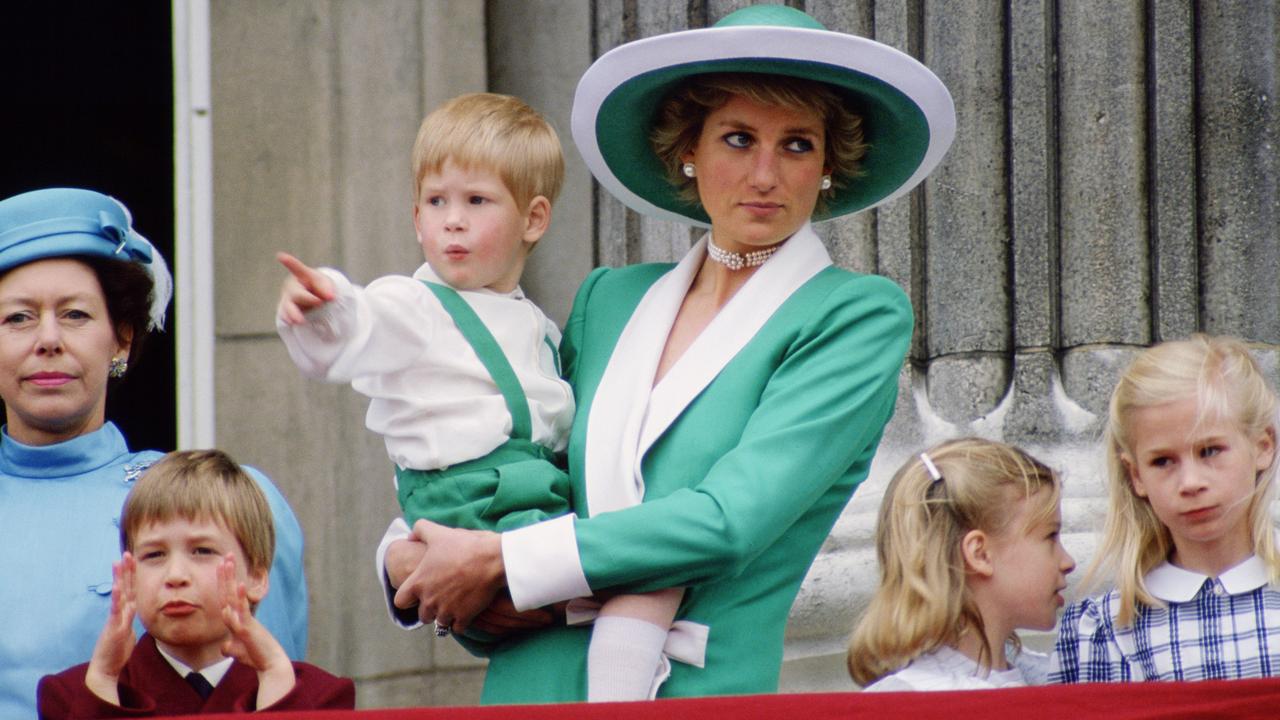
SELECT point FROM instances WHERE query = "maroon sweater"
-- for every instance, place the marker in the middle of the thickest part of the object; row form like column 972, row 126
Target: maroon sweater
column 149, row 686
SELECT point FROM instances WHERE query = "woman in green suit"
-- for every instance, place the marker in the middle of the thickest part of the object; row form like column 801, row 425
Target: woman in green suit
column 728, row 405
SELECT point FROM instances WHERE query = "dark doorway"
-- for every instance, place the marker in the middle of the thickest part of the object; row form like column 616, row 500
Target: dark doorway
column 88, row 102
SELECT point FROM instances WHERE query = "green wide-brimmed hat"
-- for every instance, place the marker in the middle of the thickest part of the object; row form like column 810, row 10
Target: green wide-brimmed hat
column 908, row 117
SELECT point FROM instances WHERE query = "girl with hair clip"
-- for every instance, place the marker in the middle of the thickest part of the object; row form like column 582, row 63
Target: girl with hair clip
column 1189, row 541
column 968, row 546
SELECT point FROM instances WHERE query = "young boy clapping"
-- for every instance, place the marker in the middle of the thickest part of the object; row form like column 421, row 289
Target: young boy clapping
column 197, row 540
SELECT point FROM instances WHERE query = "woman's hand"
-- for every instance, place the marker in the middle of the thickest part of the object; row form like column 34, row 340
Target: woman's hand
column 305, row 289
column 115, row 644
column 456, row 578
column 499, row 619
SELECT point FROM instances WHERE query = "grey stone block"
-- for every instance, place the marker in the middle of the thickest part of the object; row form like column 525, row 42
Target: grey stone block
column 1033, row 167
column 964, row 388
column 967, row 236
column 1240, row 168
column 1038, row 412
column 459, row 687
column 1102, row 113
column 1090, row 374
column 275, row 141
column 1173, row 151
column 851, row 241
column 565, row 254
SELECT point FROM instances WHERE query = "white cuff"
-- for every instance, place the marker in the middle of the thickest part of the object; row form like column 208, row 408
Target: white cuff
column 542, row 563
column 397, row 530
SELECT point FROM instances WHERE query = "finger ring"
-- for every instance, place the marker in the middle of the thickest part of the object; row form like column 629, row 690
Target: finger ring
column 441, row 630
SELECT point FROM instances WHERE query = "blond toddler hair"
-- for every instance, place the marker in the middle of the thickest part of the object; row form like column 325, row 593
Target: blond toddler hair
column 499, row 133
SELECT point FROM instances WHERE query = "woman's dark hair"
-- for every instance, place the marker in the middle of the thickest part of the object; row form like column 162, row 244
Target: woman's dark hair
column 127, row 288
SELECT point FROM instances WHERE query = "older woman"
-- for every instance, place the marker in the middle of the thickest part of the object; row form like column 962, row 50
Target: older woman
column 729, row 405
column 79, row 291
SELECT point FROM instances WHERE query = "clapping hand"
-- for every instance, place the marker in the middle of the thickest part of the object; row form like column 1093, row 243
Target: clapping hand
column 115, row 644
column 250, row 643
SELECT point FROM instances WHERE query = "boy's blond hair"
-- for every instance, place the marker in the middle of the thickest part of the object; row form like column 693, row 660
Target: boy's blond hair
column 197, row 485
column 494, row 132
column 1228, row 385
column 923, row 602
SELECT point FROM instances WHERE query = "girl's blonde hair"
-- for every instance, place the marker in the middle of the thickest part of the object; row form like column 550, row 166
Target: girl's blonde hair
column 1227, row 384
column 923, row 602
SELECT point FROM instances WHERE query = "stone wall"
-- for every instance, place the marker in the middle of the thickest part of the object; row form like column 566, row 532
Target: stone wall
column 1113, row 183
column 315, row 108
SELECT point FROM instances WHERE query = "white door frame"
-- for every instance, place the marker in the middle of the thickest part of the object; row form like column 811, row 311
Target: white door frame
column 193, row 225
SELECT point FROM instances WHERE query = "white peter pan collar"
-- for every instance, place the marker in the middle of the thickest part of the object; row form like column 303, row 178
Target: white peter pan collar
column 1171, row 583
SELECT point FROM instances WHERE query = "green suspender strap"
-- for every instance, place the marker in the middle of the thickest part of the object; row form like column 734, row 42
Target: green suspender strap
column 491, row 356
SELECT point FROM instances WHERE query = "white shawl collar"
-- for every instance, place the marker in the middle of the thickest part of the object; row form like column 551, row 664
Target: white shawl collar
column 628, row 414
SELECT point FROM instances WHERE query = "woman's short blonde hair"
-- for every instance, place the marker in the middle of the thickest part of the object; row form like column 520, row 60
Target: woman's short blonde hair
column 680, row 116
column 923, row 602
column 499, row 133
column 1225, row 380
column 200, row 485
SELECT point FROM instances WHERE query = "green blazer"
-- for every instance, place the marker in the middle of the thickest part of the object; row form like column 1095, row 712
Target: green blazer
column 740, row 490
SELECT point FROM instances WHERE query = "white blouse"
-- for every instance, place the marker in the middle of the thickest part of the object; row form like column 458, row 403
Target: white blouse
column 949, row 669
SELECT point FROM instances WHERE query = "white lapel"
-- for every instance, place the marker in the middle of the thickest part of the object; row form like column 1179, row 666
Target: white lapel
column 636, row 416
column 795, row 263
column 622, row 396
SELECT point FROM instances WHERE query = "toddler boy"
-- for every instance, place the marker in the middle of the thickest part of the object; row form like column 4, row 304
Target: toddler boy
column 197, row 539
column 461, row 368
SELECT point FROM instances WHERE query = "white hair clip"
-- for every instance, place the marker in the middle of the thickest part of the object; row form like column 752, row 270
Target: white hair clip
column 928, row 465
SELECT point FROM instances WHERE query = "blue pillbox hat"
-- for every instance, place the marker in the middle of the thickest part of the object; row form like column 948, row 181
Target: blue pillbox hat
column 60, row 222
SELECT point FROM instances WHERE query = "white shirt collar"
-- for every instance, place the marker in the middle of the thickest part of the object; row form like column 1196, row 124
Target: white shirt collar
column 1171, row 583
column 424, row 272
column 214, row 673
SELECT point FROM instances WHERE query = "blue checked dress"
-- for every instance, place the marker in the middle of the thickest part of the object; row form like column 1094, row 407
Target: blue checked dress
column 1210, row 628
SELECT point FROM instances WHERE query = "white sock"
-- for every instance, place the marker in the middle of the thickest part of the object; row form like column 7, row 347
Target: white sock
column 623, row 658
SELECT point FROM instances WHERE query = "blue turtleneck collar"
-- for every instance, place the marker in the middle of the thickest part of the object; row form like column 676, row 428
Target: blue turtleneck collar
column 74, row 457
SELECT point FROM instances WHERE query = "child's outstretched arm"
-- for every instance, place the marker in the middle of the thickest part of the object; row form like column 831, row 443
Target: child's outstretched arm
column 250, row 643
column 305, row 289
column 116, row 642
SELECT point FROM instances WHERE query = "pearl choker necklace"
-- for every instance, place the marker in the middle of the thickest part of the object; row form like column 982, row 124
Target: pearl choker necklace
column 737, row 261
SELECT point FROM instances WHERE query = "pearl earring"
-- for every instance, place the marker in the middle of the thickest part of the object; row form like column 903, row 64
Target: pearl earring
column 826, row 182
column 688, row 170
